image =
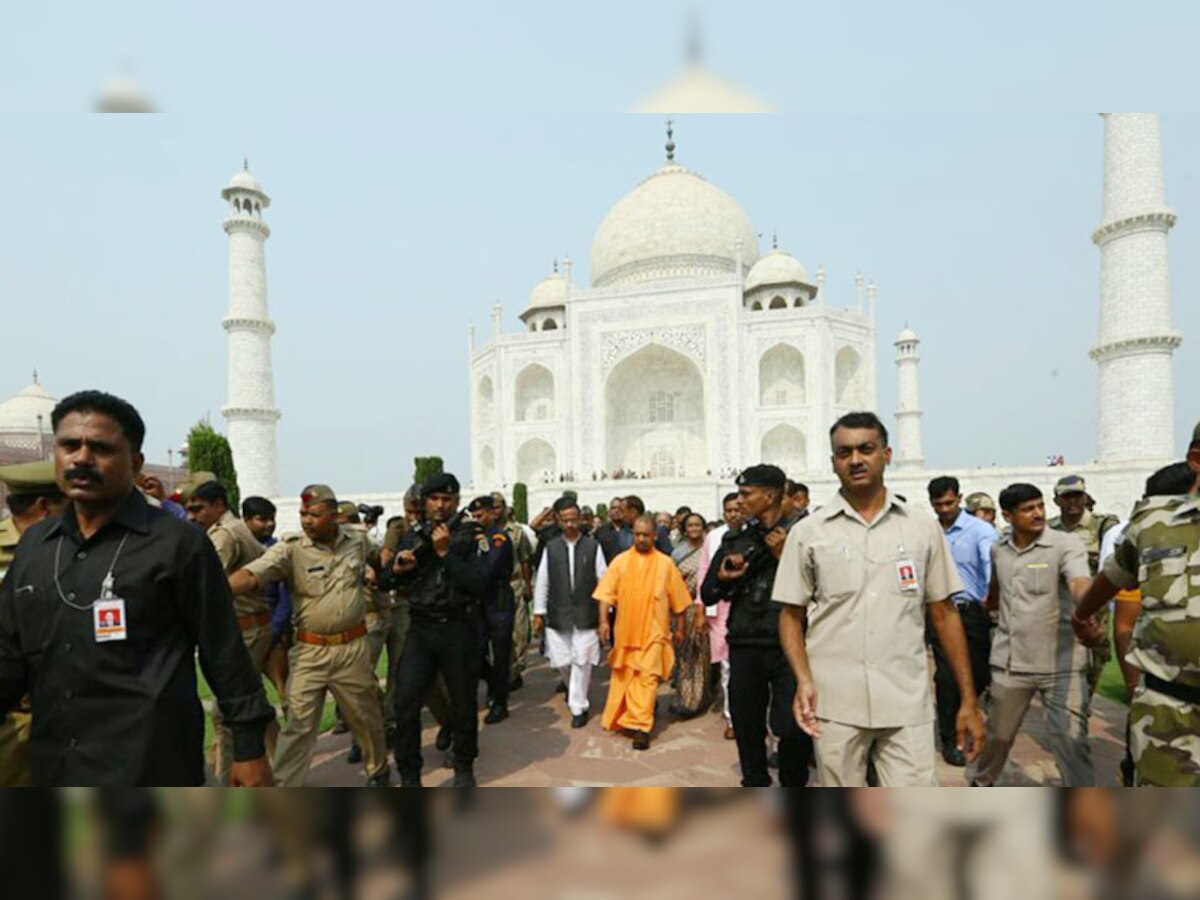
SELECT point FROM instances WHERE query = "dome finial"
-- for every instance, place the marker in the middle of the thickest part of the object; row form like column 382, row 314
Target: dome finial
column 35, row 381
column 694, row 48
column 774, row 240
column 245, row 164
column 556, row 265
column 670, row 141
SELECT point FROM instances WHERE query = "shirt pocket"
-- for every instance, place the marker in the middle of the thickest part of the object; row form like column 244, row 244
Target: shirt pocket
column 1034, row 579
column 1165, row 580
column 313, row 579
column 839, row 572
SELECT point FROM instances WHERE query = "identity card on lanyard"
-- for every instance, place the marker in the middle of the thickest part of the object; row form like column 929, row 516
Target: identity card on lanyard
column 108, row 615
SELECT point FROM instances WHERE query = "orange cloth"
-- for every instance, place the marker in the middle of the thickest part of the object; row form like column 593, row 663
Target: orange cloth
column 1133, row 596
column 650, row 809
column 645, row 588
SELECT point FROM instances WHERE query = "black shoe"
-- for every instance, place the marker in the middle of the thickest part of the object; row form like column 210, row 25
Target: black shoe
column 641, row 740
column 516, row 684
column 464, row 777
column 445, row 737
column 355, row 756
column 497, row 713
column 561, row 688
column 953, row 756
column 773, row 761
column 382, row 780
column 578, row 721
column 410, row 781
column 449, row 762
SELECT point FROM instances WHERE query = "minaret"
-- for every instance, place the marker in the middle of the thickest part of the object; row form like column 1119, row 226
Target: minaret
column 251, row 411
column 907, row 450
column 1137, row 397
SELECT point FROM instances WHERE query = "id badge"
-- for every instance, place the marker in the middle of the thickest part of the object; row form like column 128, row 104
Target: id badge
column 108, row 620
column 906, row 576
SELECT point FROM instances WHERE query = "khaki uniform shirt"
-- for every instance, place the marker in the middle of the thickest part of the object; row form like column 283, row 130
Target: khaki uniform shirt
column 237, row 546
column 522, row 555
column 1034, row 634
column 1087, row 530
column 865, row 588
column 328, row 594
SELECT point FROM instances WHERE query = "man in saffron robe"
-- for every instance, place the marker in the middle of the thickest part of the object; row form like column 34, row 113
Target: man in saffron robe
column 645, row 586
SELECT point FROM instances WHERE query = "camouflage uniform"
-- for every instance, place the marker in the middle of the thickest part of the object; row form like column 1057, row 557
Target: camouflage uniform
column 1091, row 530
column 522, row 622
column 1160, row 552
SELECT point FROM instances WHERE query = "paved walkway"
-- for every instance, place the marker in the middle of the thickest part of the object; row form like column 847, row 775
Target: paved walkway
column 536, row 747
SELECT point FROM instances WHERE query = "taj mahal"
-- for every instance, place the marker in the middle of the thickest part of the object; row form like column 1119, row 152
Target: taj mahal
column 688, row 353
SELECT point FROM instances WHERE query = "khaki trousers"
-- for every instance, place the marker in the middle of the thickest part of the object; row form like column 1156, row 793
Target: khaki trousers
column 1067, row 701
column 346, row 672
column 14, row 750
column 522, row 631
column 258, row 643
column 903, row 757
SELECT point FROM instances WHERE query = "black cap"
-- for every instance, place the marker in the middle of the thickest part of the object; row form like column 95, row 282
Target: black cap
column 480, row 503
column 762, row 476
column 444, row 483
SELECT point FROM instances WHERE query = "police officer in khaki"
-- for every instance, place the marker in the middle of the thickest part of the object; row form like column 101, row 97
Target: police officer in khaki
column 1160, row 553
column 32, row 495
column 1076, row 517
column 862, row 574
column 326, row 571
column 1037, row 574
column 207, row 505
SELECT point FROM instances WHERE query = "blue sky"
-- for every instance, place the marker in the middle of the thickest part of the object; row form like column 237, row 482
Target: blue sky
column 424, row 165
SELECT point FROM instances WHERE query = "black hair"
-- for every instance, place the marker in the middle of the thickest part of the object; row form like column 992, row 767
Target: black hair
column 1170, row 481
column 732, row 495
column 635, row 502
column 565, row 503
column 1016, row 494
column 253, row 507
column 943, row 485
column 211, row 491
column 692, row 515
column 861, row 420
column 121, row 411
column 19, row 504
column 683, row 511
column 792, row 488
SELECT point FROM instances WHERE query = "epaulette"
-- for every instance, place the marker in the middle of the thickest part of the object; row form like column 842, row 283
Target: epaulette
column 292, row 538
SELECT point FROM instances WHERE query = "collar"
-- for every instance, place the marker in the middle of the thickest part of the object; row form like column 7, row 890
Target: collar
column 343, row 535
column 1187, row 507
column 223, row 522
column 1042, row 540
column 133, row 515
column 840, row 506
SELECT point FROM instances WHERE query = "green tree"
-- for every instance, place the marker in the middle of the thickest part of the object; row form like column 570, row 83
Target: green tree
column 208, row 451
column 602, row 511
column 425, row 467
column 520, row 503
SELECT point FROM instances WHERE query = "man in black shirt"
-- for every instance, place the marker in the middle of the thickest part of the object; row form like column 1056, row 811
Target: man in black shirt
column 101, row 615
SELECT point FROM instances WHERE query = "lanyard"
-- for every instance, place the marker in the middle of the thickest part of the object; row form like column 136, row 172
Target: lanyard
column 106, row 586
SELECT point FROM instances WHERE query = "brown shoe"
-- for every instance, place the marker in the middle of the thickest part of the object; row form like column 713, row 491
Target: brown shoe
column 729, row 735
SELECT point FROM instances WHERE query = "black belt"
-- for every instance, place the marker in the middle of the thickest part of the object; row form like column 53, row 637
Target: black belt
column 963, row 604
column 1181, row 692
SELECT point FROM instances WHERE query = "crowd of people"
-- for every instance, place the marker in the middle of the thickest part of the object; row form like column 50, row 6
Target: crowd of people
column 812, row 630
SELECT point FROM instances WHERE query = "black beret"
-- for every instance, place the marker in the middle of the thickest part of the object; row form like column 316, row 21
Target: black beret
column 444, row 483
column 762, row 476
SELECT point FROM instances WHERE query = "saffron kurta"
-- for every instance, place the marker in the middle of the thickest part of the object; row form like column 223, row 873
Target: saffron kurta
column 645, row 588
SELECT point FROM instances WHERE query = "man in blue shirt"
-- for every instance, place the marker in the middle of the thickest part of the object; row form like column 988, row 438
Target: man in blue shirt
column 970, row 540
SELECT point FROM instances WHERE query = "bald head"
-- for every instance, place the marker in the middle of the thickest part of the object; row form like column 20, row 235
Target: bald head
column 645, row 534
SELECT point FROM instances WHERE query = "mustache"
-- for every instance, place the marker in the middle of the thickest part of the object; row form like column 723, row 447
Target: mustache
column 82, row 473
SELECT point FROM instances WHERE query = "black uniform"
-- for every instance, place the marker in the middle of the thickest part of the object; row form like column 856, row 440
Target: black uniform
column 444, row 600
column 496, row 624
column 124, row 712
column 760, row 678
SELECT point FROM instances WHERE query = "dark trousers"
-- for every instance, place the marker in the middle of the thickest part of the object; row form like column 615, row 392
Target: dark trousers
column 979, row 646
column 496, row 632
column 761, row 683
column 451, row 649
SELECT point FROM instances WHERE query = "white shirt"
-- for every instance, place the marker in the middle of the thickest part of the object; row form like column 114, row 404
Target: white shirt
column 541, row 586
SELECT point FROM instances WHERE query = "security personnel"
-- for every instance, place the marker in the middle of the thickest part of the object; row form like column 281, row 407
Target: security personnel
column 1076, row 517
column 33, row 495
column 443, row 566
column 207, row 505
column 1160, row 553
column 326, row 571
column 522, row 588
column 496, row 623
column 981, row 506
column 761, row 683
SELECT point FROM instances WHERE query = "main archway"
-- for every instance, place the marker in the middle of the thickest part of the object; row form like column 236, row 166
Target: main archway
column 536, row 462
column 654, row 407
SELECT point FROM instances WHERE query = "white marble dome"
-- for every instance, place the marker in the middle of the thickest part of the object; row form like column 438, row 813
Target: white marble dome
column 551, row 291
column 19, row 414
column 672, row 225
column 245, row 181
column 777, row 267
column 907, row 336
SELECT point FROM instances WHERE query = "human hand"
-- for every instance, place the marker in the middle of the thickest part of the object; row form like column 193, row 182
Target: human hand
column 605, row 631
column 539, row 622
column 404, row 562
column 1088, row 631
column 804, row 707
column 251, row 773
column 732, row 568
column 776, row 538
column 441, row 539
column 970, row 733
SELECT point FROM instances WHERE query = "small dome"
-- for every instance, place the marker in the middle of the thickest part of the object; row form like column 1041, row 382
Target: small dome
column 672, row 225
column 907, row 336
column 777, row 267
column 244, row 180
column 551, row 291
column 19, row 414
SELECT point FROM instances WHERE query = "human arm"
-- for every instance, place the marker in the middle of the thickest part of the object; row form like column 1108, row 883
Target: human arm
column 14, row 671
column 542, row 518
column 541, row 596
column 1125, row 616
column 969, row 728
column 606, row 595
column 274, row 565
column 791, row 636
